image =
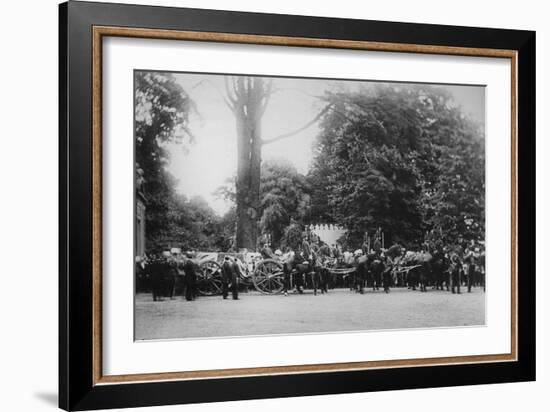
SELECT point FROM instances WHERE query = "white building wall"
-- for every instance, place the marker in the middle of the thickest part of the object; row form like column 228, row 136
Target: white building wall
column 328, row 233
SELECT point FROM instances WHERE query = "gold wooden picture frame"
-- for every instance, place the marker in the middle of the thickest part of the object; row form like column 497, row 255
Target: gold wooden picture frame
column 83, row 385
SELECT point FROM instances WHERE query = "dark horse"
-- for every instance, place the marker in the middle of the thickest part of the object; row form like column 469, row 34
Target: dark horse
column 362, row 271
column 302, row 263
column 440, row 270
column 296, row 266
column 421, row 271
column 376, row 269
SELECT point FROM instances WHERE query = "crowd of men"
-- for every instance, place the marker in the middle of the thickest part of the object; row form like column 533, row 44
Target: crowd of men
column 161, row 274
column 165, row 274
column 319, row 266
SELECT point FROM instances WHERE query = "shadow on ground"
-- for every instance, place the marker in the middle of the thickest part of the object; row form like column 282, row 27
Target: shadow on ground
column 49, row 398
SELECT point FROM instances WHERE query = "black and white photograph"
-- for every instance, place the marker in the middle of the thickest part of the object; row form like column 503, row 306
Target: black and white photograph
column 278, row 205
column 251, row 206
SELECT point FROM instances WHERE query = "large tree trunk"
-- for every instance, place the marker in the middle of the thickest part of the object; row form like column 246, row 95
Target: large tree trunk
column 248, row 178
column 247, row 97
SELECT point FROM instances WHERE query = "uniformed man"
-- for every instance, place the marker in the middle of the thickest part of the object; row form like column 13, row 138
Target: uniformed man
column 304, row 263
column 455, row 269
column 324, row 273
column 376, row 263
column 481, row 269
column 470, row 260
column 288, row 262
column 365, row 246
column 334, row 252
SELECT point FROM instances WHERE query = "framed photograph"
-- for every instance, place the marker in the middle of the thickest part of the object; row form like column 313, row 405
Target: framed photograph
column 256, row 205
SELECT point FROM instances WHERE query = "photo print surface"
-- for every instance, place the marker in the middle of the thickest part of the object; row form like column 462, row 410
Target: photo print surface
column 278, row 205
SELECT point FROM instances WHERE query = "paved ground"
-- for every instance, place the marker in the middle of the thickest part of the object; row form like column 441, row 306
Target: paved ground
column 339, row 310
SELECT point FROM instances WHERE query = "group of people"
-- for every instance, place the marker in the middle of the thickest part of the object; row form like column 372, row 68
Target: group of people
column 159, row 274
column 315, row 263
column 434, row 265
column 164, row 274
column 319, row 260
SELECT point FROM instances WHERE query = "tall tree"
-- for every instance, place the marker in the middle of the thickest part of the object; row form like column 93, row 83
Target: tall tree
column 248, row 98
column 403, row 158
column 161, row 117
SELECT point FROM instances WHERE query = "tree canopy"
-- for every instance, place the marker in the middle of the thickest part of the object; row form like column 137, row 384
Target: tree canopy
column 400, row 157
column 284, row 196
column 162, row 110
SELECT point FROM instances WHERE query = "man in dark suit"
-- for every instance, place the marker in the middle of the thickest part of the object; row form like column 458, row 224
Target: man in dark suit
column 470, row 260
column 230, row 278
column 190, row 269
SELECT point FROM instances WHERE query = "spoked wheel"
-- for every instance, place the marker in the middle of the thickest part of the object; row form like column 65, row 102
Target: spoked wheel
column 269, row 277
column 209, row 278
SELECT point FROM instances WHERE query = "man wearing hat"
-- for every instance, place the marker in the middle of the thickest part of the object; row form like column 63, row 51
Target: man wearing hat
column 470, row 260
column 455, row 269
column 190, row 268
column 229, row 277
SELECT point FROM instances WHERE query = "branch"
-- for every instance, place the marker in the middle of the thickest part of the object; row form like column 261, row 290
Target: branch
column 266, row 97
column 304, row 127
column 227, row 99
column 230, row 97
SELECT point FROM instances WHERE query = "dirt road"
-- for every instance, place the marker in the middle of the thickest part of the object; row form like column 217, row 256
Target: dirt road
column 339, row 310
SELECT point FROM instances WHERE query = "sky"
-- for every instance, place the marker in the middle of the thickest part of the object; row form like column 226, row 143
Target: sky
column 205, row 165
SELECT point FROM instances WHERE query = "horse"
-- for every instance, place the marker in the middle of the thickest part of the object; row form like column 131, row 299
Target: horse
column 420, row 273
column 361, row 273
column 296, row 266
column 440, row 270
column 376, row 268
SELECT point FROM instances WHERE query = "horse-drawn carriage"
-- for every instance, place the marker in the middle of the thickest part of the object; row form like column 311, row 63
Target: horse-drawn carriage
column 265, row 275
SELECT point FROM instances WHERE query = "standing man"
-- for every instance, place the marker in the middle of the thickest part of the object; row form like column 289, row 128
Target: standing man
column 230, row 278
column 324, row 258
column 304, row 265
column 470, row 260
column 376, row 264
column 455, row 268
column 365, row 246
column 190, row 269
column 334, row 251
column 481, row 263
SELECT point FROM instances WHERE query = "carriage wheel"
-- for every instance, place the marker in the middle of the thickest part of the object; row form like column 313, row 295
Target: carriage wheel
column 269, row 277
column 209, row 278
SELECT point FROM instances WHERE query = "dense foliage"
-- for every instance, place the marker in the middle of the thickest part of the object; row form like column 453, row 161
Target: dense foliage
column 161, row 117
column 402, row 158
column 284, row 198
